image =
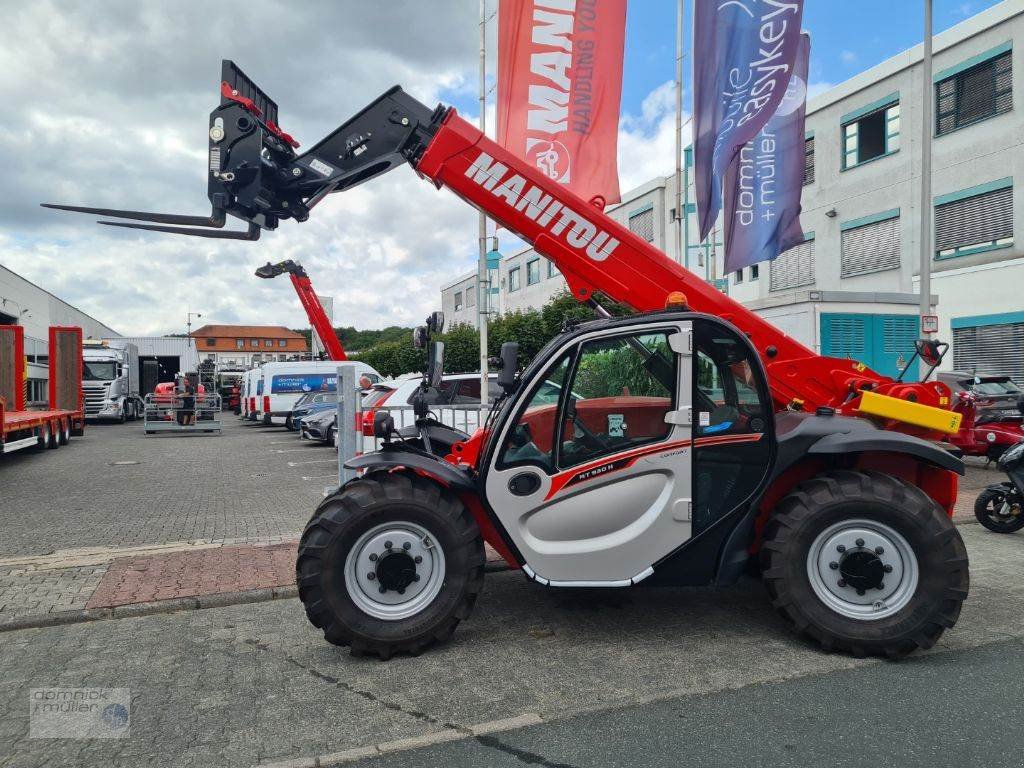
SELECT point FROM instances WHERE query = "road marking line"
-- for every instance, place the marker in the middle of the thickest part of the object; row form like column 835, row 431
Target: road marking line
column 317, row 477
column 317, row 461
column 293, row 450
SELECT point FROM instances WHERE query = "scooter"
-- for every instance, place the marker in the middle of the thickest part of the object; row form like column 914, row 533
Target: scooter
column 1000, row 507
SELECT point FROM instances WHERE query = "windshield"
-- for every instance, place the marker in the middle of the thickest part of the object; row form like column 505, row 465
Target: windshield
column 997, row 387
column 99, row 370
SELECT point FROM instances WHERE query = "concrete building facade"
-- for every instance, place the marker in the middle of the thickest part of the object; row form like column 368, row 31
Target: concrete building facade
column 242, row 346
column 851, row 288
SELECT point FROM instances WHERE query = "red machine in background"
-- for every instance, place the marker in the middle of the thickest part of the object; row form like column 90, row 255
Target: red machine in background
column 983, row 434
column 310, row 302
column 65, row 415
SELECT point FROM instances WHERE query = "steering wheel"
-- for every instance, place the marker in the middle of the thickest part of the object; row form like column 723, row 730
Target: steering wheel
column 590, row 436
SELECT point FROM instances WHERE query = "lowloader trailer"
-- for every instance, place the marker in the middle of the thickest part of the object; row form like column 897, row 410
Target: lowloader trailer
column 64, row 417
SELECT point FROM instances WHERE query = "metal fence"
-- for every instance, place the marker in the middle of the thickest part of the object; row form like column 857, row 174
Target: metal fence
column 167, row 413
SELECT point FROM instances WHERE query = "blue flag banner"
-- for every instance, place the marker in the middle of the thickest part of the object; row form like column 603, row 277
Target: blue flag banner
column 744, row 53
column 763, row 185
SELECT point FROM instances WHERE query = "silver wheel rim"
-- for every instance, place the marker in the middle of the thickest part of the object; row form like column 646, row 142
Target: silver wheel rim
column 862, row 538
column 363, row 567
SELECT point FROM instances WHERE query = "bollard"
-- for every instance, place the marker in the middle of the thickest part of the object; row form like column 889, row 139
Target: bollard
column 348, row 400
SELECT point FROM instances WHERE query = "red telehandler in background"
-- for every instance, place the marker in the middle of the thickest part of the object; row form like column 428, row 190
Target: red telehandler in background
column 668, row 447
column 318, row 319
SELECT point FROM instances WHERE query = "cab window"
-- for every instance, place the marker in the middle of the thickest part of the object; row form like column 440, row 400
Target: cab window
column 531, row 441
column 621, row 390
column 732, row 423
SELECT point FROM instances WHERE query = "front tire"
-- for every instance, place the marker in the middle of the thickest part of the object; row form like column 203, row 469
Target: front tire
column 999, row 511
column 379, row 599
column 864, row 563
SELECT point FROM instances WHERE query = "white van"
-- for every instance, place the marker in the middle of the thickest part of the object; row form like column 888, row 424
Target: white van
column 249, row 399
column 284, row 383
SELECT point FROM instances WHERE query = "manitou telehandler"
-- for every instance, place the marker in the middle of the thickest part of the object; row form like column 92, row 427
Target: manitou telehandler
column 318, row 319
column 667, row 447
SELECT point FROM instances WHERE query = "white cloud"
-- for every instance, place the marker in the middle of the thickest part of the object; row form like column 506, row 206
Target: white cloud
column 647, row 142
column 848, row 57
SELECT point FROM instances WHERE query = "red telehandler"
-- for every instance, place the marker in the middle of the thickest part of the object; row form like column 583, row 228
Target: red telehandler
column 318, row 319
column 668, row 447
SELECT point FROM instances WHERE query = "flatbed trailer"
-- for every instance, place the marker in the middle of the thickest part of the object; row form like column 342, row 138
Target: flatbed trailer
column 21, row 427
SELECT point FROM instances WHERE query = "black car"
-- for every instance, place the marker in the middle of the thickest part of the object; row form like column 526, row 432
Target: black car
column 311, row 402
column 998, row 397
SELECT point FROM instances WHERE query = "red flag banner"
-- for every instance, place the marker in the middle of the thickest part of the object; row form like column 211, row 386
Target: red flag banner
column 559, row 88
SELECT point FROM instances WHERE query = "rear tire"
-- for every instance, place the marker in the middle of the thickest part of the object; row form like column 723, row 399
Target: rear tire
column 923, row 554
column 987, row 509
column 338, row 551
column 65, row 432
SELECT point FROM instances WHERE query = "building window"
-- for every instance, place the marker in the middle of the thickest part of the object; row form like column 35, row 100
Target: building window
column 268, row 343
column 968, row 223
column 513, row 279
column 990, row 345
column 871, row 244
column 974, row 94
column 794, row 267
column 737, row 276
column 755, row 272
column 256, row 357
column 239, row 343
column 642, row 223
column 552, row 269
column 458, row 300
column 808, row 160
column 211, row 342
column 254, row 343
column 872, row 135
column 533, row 272
column 470, row 295
column 282, row 343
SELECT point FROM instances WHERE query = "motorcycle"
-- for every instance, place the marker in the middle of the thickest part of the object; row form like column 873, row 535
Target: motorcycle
column 1000, row 507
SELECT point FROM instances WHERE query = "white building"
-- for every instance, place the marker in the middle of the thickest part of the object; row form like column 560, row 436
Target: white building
column 36, row 309
column 851, row 288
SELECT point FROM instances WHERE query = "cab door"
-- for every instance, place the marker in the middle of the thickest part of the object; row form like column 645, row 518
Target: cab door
column 591, row 477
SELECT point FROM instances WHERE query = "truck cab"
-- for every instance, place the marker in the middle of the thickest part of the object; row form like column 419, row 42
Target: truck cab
column 110, row 380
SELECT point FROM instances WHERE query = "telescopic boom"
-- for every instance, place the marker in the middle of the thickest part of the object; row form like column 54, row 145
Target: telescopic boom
column 256, row 175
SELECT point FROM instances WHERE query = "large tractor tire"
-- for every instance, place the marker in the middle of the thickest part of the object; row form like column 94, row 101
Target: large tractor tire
column 390, row 564
column 864, row 563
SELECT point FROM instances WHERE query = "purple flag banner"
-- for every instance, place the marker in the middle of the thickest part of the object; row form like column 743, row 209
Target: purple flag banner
column 744, row 53
column 763, row 185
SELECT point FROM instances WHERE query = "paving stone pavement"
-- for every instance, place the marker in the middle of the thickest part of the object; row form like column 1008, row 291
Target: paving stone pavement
column 25, row 592
column 253, row 684
column 235, row 485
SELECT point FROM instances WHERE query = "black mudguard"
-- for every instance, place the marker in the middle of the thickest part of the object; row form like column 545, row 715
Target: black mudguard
column 394, row 455
column 875, row 441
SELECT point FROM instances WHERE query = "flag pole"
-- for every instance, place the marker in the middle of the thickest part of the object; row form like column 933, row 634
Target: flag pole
column 483, row 284
column 681, row 255
column 926, row 172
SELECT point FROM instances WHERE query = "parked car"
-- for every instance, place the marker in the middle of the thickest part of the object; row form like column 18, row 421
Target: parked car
column 321, row 427
column 997, row 397
column 311, row 402
column 456, row 389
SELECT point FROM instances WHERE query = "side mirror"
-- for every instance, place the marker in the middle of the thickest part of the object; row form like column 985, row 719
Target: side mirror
column 420, row 337
column 383, row 425
column 930, row 350
column 435, row 323
column 435, row 364
column 509, row 365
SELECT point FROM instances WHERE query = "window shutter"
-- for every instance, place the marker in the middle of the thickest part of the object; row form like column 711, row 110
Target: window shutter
column 642, row 224
column 976, row 220
column 847, row 336
column 809, row 161
column 993, row 349
column 871, row 248
column 983, row 91
column 793, row 268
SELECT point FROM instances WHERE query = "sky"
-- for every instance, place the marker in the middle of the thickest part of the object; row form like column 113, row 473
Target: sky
column 106, row 104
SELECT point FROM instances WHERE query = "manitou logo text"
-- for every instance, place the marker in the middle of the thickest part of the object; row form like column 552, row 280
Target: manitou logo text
column 549, row 213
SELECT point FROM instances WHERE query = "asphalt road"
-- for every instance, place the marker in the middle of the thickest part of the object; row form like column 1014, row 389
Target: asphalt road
column 962, row 708
column 646, row 676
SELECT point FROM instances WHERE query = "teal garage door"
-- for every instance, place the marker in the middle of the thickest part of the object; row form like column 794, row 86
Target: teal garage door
column 884, row 343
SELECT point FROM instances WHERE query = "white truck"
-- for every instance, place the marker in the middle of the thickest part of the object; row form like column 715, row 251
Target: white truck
column 110, row 380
